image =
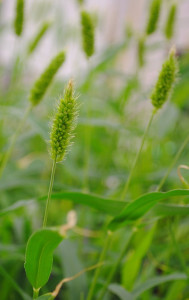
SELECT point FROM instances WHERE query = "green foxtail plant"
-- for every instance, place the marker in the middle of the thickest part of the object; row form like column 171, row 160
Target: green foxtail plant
column 154, row 14
column 170, row 22
column 36, row 95
column 61, row 133
column 38, row 37
column 19, row 17
column 88, row 37
column 159, row 96
column 168, row 73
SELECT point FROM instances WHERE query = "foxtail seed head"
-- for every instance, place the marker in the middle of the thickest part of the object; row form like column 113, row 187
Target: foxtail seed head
column 19, row 17
column 42, row 30
column 165, row 81
column 141, row 51
column 153, row 16
column 87, row 33
column 170, row 23
column 43, row 82
column 63, row 124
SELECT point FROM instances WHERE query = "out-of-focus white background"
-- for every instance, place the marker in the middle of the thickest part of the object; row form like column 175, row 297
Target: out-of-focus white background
column 112, row 18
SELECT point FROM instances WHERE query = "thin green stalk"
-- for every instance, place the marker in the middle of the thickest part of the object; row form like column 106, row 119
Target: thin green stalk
column 115, row 267
column 87, row 141
column 97, row 272
column 49, row 193
column 35, row 293
column 87, row 158
column 186, row 141
column 137, row 157
column 177, row 250
column 13, row 141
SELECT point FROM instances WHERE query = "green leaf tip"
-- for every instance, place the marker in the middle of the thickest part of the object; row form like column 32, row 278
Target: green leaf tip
column 170, row 22
column 63, row 124
column 19, row 17
column 88, row 37
column 43, row 82
column 153, row 16
column 165, row 81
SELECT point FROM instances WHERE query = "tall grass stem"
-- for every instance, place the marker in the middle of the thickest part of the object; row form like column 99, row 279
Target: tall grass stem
column 49, row 193
column 125, row 189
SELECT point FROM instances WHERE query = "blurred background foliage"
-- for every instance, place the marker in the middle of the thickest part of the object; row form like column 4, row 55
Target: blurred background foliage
column 113, row 91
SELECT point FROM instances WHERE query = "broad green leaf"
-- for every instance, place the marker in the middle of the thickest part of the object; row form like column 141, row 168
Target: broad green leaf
column 46, row 297
column 39, row 255
column 155, row 282
column 109, row 206
column 135, row 258
column 139, row 207
column 119, row 291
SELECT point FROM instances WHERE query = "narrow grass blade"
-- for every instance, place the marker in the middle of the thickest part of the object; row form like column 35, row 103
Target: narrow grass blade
column 141, row 206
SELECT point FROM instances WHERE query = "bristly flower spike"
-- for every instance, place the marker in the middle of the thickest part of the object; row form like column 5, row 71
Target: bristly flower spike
column 19, row 17
column 63, row 124
column 43, row 82
column 165, row 81
column 170, row 23
column 88, row 37
column 154, row 14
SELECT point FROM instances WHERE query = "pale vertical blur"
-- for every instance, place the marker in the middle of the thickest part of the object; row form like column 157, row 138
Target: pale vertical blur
column 112, row 17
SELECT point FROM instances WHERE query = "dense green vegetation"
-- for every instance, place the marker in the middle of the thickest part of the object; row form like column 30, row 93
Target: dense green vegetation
column 115, row 225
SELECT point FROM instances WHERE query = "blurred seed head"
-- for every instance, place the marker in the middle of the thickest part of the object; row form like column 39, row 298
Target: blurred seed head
column 63, row 124
column 170, row 22
column 154, row 14
column 19, row 17
column 88, row 37
column 43, row 82
column 141, row 51
column 166, row 80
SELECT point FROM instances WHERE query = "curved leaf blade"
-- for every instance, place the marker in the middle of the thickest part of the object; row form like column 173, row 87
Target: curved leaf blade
column 106, row 205
column 119, row 291
column 139, row 207
column 39, row 255
column 155, row 282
